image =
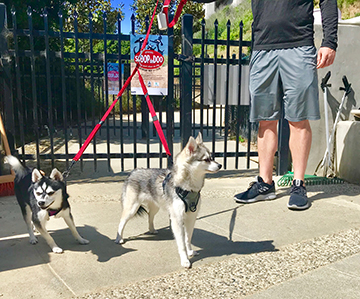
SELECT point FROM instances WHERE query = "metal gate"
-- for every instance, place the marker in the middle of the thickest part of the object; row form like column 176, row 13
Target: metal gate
column 57, row 90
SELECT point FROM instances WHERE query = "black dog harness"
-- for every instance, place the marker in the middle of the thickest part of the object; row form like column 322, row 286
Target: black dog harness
column 189, row 198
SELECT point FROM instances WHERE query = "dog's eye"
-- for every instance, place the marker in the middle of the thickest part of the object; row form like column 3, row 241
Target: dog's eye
column 51, row 193
column 207, row 160
column 38, row 193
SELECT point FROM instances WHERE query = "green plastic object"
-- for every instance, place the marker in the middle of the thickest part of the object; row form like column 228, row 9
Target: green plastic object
column 286, row 180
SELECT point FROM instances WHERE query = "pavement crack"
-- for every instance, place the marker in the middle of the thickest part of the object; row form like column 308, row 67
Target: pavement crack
column 59, row 278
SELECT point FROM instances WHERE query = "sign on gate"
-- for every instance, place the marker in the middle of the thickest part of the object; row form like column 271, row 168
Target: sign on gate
column 113, row 77
column 153, row 63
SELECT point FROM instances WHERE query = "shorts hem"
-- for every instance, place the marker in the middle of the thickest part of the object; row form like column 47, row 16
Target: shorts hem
column 287, row 118
column 303, row 118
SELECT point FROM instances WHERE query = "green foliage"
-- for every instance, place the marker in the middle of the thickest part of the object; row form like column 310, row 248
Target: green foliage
column 97, row 9
column 242, row 12
column 37, row 6
column 144, row 8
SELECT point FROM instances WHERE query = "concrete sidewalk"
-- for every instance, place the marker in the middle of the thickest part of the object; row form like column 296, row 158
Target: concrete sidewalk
column 261, row 250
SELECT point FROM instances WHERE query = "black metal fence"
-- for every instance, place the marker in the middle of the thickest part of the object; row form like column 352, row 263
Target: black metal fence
column 58, row 91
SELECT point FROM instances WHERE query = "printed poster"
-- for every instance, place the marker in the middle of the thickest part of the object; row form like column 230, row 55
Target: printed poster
column 153, row 64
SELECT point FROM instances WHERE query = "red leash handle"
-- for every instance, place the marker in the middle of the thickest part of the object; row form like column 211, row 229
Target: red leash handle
column 153, row 115
column 177, row 13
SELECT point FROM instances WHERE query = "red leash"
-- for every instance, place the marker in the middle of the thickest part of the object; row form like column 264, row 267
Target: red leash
column 151, row 108
column 177, row 13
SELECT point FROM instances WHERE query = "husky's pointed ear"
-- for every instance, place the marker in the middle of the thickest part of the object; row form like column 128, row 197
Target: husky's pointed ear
column 199, row 139
column 36, row 175
column 56, row 175
column 191, row 146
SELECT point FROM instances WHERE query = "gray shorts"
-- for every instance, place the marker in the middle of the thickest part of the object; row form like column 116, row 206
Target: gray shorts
column 284, row 80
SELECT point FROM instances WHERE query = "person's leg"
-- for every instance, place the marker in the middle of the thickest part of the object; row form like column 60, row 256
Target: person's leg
column 300, row 144
column 267, row 146
column 266, row 97
column 263, row 188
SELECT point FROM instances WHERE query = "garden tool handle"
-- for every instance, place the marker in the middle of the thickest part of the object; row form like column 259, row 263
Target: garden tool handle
column 325, row 80
column 347, row 86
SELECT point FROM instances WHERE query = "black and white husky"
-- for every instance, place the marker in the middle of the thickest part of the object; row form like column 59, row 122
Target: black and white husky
column 177, row 190
column 39, row 198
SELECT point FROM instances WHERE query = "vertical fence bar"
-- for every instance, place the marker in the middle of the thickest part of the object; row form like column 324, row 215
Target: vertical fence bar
column 170, row 96
column 33, row 85
column 48, row 87
column 121, row 98
column 18, row 84
column 134, row 129
column 160, row 144
column 186, row 66
column 63, row 86
column 134, row 102
column 193, row 67
column 241, row 26
column 145, row 123
column 284, row 162
column 215, row 86
column 83, row 92
column 202, row 75
column 106, row 91
column 77, row 74
column 249, row 123
column 6, row 80
column 93, row 100
column 226, row 129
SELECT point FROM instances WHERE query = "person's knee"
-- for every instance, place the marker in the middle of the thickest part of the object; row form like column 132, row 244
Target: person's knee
column 268, row 124
column 300, row 125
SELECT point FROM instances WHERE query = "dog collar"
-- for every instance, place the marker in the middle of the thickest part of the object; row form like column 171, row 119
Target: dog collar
column 53, row 212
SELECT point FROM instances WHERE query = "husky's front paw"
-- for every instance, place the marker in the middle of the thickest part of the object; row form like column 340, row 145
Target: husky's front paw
column 33, row 240
column 57, row 250
column 153, row 232
column 192, row 253
column 186, row 264
column 119, row 241
column 83, row 241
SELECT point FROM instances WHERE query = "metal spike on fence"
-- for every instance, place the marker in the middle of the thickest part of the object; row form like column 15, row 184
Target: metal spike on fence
column 29, row 11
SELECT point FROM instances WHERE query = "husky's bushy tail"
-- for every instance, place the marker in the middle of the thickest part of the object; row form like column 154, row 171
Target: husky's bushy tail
column 15, row 164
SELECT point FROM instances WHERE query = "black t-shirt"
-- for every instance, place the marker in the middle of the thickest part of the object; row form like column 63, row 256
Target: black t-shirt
column 281, row 24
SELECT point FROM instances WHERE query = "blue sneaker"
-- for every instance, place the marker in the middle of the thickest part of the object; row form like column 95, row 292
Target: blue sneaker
column 298, row 198
column 257, row 191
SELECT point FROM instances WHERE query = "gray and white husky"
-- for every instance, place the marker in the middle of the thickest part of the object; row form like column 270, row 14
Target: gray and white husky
column 177, row 190
column 39, row 198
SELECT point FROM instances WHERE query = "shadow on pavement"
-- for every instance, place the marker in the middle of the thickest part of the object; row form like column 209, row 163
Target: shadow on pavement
column 211, row 244
column 18, row 253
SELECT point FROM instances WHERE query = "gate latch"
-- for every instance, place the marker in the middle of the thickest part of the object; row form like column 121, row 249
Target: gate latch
column 181, row 57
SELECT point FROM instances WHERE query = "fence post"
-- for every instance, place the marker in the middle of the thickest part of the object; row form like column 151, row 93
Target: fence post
column 284, row 160
column 5, row 80
column 186, row 75
column 170, row 96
